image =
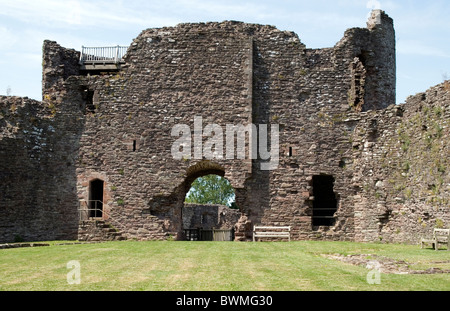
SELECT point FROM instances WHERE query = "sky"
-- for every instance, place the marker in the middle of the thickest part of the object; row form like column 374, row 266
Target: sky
column 422, row 30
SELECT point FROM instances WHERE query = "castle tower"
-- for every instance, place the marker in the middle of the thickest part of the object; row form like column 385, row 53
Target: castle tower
column 380, row 62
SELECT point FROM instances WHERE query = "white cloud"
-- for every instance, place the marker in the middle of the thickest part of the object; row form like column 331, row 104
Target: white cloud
column 373, row 5
column 43, row 11
column 412, row 47
column 7, row 39
column 224, row 10
column 74, row 15
column 77, row 13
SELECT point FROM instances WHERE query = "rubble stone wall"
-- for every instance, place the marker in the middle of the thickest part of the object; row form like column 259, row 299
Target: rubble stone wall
column 38, row 147
column 209, row 216
column 334, row 109
column 401, row 166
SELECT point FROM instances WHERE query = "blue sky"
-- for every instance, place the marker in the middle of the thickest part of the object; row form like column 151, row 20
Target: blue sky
column 422, row 29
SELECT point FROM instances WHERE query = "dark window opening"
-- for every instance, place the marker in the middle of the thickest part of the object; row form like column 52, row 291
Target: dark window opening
column 88, row 98
column 373, row 131
column 134, row 145
column 96, row 198
column 325, row 203
column 357, row 103
column 357, row 91
column 290, row 151
column 372, row 135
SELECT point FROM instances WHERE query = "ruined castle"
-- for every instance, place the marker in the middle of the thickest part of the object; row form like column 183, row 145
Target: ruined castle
column 351, row 165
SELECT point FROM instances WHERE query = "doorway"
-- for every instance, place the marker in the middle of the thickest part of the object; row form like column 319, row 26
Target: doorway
column 96, row 198
column 325, row 202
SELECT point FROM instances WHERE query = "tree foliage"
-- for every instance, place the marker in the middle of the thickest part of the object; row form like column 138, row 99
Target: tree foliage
column 211, row 189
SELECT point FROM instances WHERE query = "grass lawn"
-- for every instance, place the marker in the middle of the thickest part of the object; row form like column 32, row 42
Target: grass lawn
column 215, row 266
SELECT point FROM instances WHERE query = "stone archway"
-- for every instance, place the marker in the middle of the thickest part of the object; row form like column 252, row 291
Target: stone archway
column 165, row 209
column 200, row 169
column 207, row 212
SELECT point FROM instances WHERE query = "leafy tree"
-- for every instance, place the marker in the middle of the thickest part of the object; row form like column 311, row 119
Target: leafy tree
column 211, row 189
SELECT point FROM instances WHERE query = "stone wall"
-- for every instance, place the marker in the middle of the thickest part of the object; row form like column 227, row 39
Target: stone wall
column 334, row 108
column 401, row 168
column 307, row 92
column 39, row 144
column 171, row 75
column 209, row 216
column 230, row 73
column 38, row 147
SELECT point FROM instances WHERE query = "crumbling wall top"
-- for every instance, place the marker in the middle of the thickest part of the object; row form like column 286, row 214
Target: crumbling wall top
column 377, row 18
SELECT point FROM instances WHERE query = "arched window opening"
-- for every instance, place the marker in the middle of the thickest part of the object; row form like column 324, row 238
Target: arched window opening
column 96, row 198
column 359, row 75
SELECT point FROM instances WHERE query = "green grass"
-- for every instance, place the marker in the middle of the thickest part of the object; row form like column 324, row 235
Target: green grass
column 213, row 266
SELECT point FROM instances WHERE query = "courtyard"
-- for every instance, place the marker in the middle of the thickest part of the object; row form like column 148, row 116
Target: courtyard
column 224, row 266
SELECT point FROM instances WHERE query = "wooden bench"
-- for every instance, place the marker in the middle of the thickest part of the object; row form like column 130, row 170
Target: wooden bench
column 271, row 232
column 440, row 236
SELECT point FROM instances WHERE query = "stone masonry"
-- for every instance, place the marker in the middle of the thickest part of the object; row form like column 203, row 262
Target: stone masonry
column 209, row 216
column 352, row 165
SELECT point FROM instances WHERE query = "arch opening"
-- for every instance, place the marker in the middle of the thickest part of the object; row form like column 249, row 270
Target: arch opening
column 211, row 188
column 209, row 210
column 96, row 187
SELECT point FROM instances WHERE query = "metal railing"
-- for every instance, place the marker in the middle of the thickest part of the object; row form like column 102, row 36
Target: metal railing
column 199, row 234
column 103, row 55
column 87, row 212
